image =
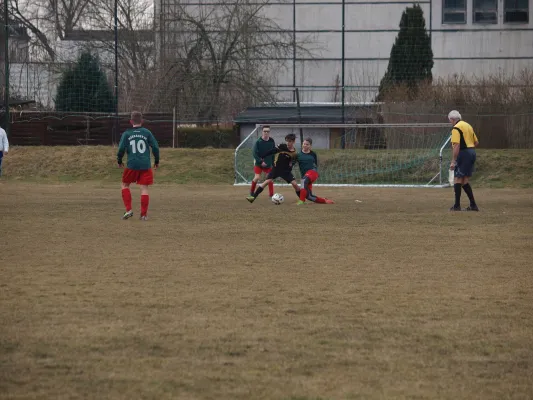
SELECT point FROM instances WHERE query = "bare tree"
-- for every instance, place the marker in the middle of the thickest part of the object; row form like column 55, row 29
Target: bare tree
column 211, row 55
column 24, row 14
column 67, row 14
column 212, row 59
column 136, row 50
column 48, row 20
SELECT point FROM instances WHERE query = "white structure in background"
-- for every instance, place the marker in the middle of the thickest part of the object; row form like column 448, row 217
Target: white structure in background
column 470, row 37
column 39, row 80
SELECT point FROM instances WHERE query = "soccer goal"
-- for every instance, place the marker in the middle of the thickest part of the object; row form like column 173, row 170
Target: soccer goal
column 379, row 155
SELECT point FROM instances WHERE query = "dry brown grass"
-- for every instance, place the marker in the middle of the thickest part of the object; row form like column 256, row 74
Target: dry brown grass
column 215, row 298
column 511, row 168
column 504, row 91
column 499, row 107
column 98, row 163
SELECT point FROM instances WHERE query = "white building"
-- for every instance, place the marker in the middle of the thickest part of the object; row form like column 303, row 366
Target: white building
column 469, row 37
column 474, row 38
column 39, row 80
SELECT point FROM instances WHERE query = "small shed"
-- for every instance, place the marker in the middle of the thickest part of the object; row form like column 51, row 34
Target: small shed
column 312, row 113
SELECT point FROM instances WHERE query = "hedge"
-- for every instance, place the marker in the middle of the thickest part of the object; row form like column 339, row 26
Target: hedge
column 206, row 137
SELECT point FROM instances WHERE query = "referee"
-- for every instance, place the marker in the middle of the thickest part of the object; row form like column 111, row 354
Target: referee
column 464, row 142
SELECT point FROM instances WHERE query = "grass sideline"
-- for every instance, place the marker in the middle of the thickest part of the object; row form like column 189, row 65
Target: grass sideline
column 507, row 168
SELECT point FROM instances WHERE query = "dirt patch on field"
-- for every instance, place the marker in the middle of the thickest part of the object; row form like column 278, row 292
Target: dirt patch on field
column 382, row 295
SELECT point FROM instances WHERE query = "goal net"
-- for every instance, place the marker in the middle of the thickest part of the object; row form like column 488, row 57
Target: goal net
column 390, row 155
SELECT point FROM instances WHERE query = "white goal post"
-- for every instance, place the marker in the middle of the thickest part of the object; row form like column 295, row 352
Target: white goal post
column 372, row 155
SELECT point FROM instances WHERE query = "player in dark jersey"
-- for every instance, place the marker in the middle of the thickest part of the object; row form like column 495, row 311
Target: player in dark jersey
column 284, row 157
column 136, row 142
column 308, row 162
column 263, row 164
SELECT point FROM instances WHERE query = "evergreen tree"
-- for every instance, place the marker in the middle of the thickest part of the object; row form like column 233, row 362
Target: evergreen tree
column 411, row 57
column 84, row 88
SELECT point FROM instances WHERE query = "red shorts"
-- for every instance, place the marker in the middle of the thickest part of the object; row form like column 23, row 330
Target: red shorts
column 312, row 175
column 140, row 177
column 258, row 170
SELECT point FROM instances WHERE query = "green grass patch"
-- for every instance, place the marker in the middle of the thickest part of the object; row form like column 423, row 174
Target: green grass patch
column 69, row 164
column 98, row 163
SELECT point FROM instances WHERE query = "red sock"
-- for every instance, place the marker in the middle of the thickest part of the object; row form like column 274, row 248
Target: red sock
column 145, row 199
column 252, row 189
column 320, row 200
column 271, row 189
column 126, row 198
column 303, row 194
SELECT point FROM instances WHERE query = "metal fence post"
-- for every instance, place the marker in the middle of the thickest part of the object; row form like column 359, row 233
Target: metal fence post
column 6, row 65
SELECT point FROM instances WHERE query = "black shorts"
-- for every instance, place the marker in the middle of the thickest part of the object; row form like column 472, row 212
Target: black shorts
column 464, row 165
column 287, row 176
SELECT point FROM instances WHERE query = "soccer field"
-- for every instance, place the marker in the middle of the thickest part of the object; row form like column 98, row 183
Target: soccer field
column 383, row 295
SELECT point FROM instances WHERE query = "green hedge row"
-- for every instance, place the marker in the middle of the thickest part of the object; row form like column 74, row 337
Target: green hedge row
column 207, row 137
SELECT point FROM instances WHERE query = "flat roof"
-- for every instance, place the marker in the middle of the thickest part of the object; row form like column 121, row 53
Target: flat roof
column 331, row 113
column 16, row 102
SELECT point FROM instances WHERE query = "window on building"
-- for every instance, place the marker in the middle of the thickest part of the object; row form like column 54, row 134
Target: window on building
column 485, row 11
column 516, row 11
column 454, row 12
column 18, row 50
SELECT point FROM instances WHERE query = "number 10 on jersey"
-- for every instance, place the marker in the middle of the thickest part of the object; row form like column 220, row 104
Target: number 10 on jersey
column 137, row 146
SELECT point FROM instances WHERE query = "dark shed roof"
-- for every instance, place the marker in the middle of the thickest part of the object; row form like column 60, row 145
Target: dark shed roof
column 14, row 103
column 326, row 114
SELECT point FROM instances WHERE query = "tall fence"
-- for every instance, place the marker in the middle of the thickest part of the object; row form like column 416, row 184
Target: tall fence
column 58, row 129
column 205, row 62
column 33, row 128
column 496, row 127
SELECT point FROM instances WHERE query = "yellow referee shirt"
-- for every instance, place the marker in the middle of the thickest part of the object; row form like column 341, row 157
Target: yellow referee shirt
column 469, row 136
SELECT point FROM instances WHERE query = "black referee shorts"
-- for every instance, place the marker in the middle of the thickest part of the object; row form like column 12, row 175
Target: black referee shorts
column 464, row 165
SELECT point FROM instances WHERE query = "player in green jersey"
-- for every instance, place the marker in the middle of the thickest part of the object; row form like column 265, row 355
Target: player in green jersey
column 263, row 164
column 284, row 157
column 136, row 142
column 308, row 162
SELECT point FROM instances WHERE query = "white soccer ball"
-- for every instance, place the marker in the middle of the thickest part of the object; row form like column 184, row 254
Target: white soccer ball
column 277, row 199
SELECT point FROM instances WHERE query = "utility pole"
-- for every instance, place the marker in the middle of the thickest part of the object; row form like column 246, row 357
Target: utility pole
column 116, row 125
column 6, row 65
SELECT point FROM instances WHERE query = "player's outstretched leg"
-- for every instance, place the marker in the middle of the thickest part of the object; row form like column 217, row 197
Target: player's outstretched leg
column 302, row 196
column 295, row 186
column 323, row 200
column 320, row 200
column 257, row 192
column 316, row 199
column 305, row 191
column 126, row 199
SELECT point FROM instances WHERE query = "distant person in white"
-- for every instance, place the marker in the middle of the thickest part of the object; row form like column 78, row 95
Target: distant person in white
column 4, row 147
